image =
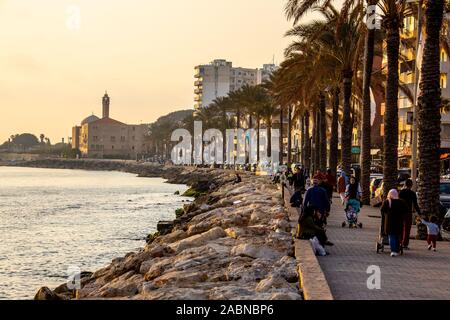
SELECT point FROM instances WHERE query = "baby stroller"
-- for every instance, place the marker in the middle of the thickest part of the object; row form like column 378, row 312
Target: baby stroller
column 383, row 239
column 352, row 210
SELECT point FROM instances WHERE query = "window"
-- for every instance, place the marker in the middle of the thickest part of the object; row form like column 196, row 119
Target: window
column 134, row 128
column 95, row 138
column 382, row 129
column 133, row 138
column 122, row 139
column 443, row 56
column 112, row 147
column 92, row 146
column 113, row 139
column 132, row 148
column 443, row 80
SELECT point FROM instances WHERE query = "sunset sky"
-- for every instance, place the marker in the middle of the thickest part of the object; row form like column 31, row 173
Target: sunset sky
column 142, row 51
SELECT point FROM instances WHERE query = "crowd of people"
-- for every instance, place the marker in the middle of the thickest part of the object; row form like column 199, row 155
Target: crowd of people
column 314, row 196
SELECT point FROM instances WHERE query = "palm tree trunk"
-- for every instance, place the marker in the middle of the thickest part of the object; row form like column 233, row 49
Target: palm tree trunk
column 316, row 163
column 281, row 136
column 323, row 133
column 238, row 118
column 366, row 116
column 302, row 142
column 346, row 128
column 429, row 117
column 334, row 132
column 390, row 161
column 289, row 146
column 307, row 149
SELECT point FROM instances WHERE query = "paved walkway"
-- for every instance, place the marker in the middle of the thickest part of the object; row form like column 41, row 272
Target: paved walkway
column 419, row 274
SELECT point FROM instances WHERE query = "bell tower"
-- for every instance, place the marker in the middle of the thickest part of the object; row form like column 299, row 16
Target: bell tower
column 105, row 103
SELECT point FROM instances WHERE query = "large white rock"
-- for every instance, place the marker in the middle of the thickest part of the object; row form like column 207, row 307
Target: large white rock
column 254, row 251
column 198, row 240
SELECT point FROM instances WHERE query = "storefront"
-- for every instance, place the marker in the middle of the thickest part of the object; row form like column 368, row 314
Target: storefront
column 404, row 157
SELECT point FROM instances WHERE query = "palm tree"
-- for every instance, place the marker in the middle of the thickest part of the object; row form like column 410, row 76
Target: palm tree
column 322, row 123
column 369, row 51
column 333, row 159
column 392, row 20
column 429, row 117
column 339, row 38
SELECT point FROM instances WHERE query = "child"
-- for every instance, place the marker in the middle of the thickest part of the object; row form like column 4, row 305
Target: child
column 433, row 232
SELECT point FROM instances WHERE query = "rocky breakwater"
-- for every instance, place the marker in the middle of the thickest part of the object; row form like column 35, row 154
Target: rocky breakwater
column 234, row 242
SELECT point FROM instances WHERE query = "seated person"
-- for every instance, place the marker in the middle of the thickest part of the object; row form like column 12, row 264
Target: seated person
column 308, row 229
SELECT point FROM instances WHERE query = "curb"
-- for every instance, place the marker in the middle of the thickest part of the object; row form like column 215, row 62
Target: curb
column 311, row 277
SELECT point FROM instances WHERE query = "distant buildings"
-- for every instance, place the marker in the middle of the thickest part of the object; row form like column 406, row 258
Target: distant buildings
column 219, row 78
column 108, row 138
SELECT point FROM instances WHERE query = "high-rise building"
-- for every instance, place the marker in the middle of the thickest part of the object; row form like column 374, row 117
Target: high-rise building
column 219, row 78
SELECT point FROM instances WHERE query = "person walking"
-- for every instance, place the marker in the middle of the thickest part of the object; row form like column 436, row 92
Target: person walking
column 353, row 194
column 410, row 198
column 342, row 185
column 317, row 197
column 394, row 211
column 433, row 232
column 299, row 180
column 331, row 183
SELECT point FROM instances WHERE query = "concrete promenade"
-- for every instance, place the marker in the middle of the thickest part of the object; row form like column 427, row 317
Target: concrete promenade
column 419, row 274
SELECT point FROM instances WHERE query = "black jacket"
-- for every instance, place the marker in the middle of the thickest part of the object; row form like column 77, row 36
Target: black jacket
column 394, row 216
column 410, row 199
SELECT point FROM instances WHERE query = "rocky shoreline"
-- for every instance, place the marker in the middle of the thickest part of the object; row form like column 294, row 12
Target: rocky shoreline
column 232, row 242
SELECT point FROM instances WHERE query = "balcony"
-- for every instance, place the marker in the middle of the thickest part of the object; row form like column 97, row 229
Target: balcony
column 198, row 72
column 198, row 83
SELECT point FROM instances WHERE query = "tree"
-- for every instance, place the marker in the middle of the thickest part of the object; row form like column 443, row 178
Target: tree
column 369, row 50
column 338, row 37
column 429, row 117
column 25, row 140
column 392, row 21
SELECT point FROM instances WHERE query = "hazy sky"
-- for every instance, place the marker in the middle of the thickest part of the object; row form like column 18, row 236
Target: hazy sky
column 52, row 74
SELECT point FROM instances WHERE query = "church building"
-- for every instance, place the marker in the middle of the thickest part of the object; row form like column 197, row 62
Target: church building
column 108, row 138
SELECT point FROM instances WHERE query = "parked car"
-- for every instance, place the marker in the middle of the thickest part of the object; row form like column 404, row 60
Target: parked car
column 444, row 192
column 446, row 222
column 375, row 182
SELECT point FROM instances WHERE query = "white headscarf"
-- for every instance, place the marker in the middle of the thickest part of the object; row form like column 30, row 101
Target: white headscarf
column 392, row 195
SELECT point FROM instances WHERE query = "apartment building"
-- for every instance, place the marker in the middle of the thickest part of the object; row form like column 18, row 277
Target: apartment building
column 407, row 80
column 219, row 78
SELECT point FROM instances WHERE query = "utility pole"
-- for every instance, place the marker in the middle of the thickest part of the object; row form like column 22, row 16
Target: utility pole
column 415, row 107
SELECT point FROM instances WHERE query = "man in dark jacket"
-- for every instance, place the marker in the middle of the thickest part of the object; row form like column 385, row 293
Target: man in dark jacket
column 410, row 198
column 317, row 197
